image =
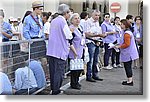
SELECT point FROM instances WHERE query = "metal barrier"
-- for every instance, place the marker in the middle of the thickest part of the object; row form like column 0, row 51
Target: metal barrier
column 10, row 53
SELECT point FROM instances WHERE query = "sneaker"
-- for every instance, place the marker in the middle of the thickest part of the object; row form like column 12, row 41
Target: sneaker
column 120, row 66
column 114, row 66
column 108, row 67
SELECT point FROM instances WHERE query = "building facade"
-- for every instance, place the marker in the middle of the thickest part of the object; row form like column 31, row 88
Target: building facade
column 17, row 8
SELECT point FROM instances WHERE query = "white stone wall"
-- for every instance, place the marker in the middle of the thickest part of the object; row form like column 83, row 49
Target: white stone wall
column 17, row 8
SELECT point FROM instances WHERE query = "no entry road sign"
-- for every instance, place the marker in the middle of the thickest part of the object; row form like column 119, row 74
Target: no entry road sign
column 115, row 7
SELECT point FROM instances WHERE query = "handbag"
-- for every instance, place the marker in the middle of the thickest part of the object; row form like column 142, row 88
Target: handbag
column 76, row 64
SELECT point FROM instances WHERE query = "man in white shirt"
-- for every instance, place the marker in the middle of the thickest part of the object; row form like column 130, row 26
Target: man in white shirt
column 15, row 30
column 84, row 17
column 93, row 33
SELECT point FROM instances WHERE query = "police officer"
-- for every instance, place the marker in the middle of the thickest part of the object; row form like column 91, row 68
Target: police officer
column 5, row 35
column 5, row 28
column 33, row 29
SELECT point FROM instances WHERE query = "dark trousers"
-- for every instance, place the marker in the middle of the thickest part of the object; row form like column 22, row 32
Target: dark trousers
column 115, row 56
column 107, row 54
column 56, row 68
column 128, row 68
column 75, row 74
column 6, row 49
column 141, row 51
column 38, row 49
column 15, row 49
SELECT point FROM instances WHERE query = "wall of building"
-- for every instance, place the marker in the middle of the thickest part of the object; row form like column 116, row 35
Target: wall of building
column 77, row 6
column 134, row 7
column 17, row 8
column 51, row 5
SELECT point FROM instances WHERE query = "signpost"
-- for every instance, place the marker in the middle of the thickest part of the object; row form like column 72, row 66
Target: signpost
column 115, row 8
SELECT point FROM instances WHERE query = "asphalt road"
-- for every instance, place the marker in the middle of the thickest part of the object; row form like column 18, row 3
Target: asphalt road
column 111, row 85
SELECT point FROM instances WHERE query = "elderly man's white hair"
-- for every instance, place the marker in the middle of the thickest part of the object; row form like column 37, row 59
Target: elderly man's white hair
column 63, row 8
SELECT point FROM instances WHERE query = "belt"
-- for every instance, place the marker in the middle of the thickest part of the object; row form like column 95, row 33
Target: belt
column 35, row 37
column 5, row 40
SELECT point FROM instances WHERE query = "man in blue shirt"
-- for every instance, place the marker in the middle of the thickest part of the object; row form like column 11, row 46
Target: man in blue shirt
column 5, row 35
column 33, row 29
column 5, row 85
column 38, row 72
column 6, row 31
column 24, row 77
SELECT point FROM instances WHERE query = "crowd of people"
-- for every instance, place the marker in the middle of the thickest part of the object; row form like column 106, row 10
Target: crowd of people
column 69, row 36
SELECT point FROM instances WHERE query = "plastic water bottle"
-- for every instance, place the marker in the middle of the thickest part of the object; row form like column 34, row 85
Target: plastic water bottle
column 81, row 64
column 72, row 63
column 78, row 63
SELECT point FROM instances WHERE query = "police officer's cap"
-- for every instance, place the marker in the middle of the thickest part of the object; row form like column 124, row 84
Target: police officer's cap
column 37, row 4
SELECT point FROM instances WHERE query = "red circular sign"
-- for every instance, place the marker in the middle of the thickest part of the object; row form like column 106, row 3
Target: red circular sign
column 115, row 7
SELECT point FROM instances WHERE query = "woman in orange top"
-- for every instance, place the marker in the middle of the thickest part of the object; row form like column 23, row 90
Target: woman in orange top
column 128, row 51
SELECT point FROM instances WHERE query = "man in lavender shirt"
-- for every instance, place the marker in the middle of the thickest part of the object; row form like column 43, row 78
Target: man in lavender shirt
column 58, row 47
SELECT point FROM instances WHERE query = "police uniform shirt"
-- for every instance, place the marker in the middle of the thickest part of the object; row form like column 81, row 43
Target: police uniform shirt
column 38, row 71
column 5, row 85
column 6, row 27
column 31, row 29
